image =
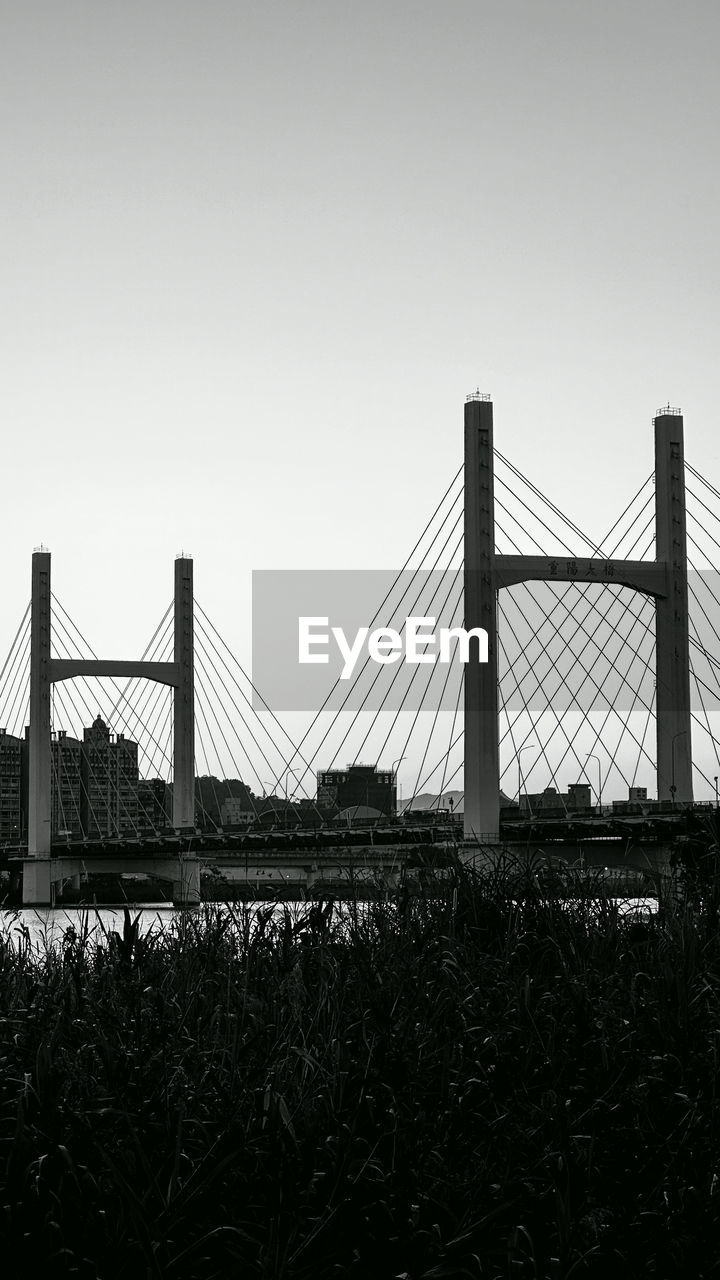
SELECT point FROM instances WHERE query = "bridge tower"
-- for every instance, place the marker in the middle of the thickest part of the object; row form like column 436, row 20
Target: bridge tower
column 664, row 579
column 672, row 642
column 45, row 670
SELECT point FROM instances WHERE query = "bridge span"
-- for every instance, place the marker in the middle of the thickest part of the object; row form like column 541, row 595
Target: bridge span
column 307, row 861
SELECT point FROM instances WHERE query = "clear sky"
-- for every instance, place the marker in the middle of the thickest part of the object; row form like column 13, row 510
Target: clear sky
column 254, row 256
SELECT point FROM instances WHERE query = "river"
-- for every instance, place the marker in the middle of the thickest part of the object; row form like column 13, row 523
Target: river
column 40, row 926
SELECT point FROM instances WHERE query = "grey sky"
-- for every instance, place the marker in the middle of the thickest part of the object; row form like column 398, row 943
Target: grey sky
column 255, row 255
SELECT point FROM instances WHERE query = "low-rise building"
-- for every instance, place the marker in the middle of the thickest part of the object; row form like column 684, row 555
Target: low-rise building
column 234, row 812
column 358, row 784
column 577, row 796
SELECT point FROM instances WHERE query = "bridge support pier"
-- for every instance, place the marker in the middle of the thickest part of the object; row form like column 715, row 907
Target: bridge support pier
column 186, row 888
column 37, row 882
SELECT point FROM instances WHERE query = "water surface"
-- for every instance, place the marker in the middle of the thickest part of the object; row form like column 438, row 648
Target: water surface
column 40, row 926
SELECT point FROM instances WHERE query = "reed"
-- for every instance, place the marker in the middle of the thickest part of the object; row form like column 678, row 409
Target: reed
column 497, row 1076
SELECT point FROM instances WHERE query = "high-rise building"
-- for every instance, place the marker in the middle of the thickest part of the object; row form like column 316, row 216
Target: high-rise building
column 154, row 804
column 11, row 756
column 109, row 782
column 66, row 785
column 93, row 784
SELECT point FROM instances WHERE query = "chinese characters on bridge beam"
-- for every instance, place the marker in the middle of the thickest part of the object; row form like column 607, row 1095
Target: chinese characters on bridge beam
column 585, row 568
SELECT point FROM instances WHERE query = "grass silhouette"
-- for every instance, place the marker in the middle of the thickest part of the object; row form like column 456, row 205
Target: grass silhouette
column 499, row 1076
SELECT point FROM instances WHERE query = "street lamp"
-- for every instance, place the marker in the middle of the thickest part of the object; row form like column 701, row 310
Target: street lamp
column 599, row 790
column 294, row 772
column 394, row 773
column 528, row 746
column 270, row 797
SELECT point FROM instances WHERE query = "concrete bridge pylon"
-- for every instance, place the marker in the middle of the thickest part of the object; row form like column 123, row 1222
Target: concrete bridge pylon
column 664, row 580
column 39, row 873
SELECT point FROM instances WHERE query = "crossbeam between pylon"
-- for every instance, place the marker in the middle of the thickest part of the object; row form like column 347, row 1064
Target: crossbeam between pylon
column 664, row 580
column 45, row 670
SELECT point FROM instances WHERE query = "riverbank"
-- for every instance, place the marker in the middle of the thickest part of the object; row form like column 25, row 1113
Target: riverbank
column 111, row 889
column 488, row 1082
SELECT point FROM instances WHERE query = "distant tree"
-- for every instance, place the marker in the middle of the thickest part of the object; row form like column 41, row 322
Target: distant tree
column 210, row 793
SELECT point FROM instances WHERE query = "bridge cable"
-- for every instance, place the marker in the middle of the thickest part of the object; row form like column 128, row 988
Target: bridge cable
column 225, row 781
column 699, row 685
column 121, row 803
column 398, row 666
column 454, row 741
column 204, row 653
column 83, row 681
column 432, row 676
column 17, row 683
column 24, row 623
column 699, row 476
column 253, row 688
column 502, row 651
column 444, row 757
column 579, row 626
column 201, row 650
column 217, row 754
column 366, row 663
column 145, row 713
column 695, row 597
column 588, row 676
column 440, row 702
column 141, row 709
column 443, row 783
column 567, row 612
column 82, row 678
column 582, row 594
column 384, row 601
column 556, row 510
column 701, row 526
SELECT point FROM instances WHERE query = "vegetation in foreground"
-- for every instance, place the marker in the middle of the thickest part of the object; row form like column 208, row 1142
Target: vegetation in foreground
column 488, row 1083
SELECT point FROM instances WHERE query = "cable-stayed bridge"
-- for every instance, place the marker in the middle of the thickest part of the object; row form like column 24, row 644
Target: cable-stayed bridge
column 604, row 652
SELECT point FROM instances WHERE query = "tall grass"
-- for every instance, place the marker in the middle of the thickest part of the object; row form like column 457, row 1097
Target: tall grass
column 483, row 1081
